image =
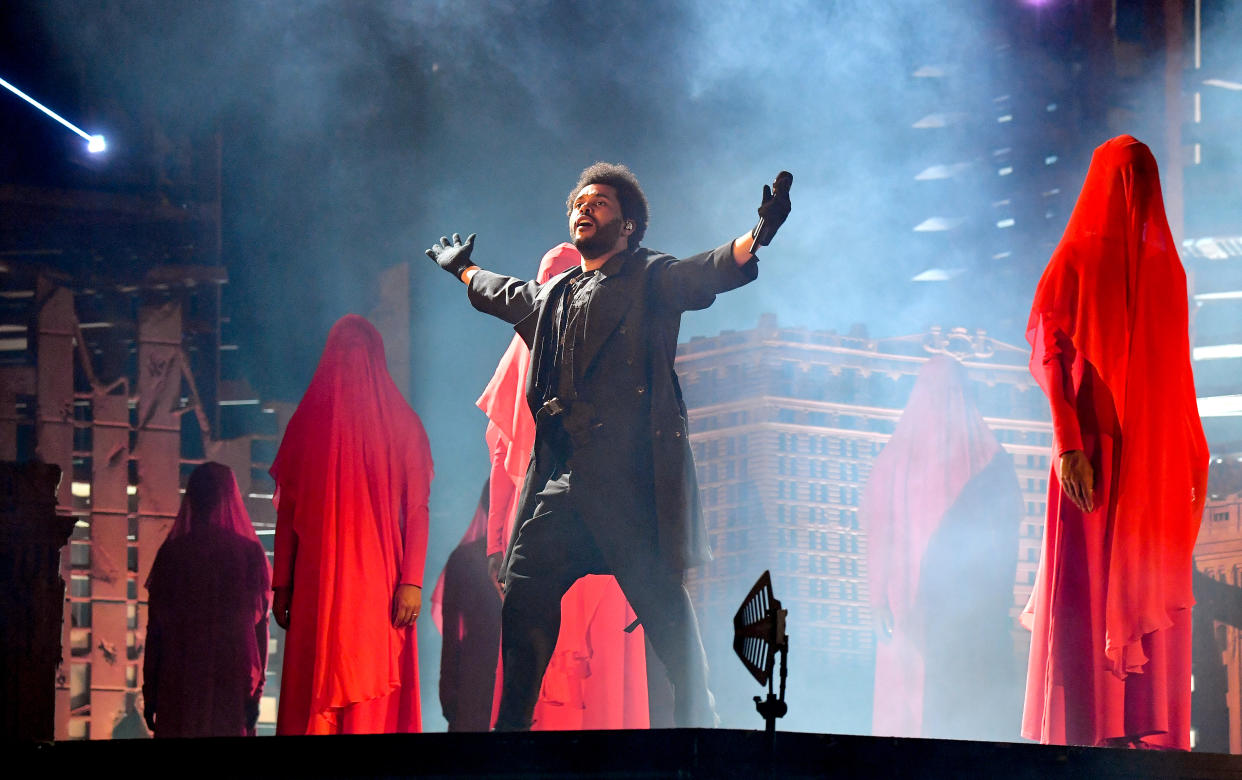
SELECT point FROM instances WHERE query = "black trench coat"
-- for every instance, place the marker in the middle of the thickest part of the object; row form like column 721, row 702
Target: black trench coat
column 625, row 372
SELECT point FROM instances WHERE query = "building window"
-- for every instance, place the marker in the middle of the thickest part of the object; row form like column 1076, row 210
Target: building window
column 80, row 614
column 79, row 685
column 80, row 555
column 80, row 586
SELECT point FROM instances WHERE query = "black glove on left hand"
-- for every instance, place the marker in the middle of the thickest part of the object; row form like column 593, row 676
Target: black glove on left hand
column 453, row 256
column 774, row 209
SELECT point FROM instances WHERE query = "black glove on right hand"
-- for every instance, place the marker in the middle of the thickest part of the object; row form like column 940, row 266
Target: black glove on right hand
column 453, row 256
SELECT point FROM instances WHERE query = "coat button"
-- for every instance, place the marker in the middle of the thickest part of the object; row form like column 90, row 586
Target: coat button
column 622, row 329
column 658, row 433
column 640, row 389
column 629, row 361
column 676, row 434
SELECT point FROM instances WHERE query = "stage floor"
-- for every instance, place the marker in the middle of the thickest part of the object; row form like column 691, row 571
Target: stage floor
column 682, row 753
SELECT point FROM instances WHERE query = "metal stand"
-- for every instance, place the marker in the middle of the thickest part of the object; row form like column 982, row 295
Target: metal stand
column 773, row 707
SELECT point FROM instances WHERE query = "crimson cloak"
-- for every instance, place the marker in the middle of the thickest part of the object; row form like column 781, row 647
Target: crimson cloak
column 1110, row 612
column 352, row 478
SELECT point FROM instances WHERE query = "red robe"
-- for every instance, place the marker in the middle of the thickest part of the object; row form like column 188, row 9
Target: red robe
column 597, row 678
column 1110, row 612
column 352, row 477
column 206, row 645
column 941, row 510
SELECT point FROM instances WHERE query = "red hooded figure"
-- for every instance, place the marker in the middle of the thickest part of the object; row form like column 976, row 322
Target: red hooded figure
column 352, row 477
column 941, row 509
column 597, row 678
column 206, row 647
column 1111, row 648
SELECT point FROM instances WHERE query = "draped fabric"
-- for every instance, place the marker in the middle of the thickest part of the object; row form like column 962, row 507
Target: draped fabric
column 352, row 474
column 597, row 677
column 475, row 530
column 1110, row 347
column 939, row 446
column 206, row 643
column 466, row 608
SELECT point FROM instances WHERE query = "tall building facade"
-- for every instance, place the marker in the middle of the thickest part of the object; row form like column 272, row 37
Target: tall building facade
column 785, row 424
column 1207, row 110
column 1000, row 132
column 1217, row 722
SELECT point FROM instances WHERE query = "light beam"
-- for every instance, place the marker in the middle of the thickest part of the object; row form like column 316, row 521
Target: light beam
column 94, row 143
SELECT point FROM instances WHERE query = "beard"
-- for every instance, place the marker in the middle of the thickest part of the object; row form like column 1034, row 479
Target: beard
column 601, row 241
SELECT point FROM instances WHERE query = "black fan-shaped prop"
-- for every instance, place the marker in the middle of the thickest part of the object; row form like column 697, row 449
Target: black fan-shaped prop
column 758, row 635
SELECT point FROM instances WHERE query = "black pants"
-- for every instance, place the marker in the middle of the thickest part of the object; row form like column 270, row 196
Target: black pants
column 554, row 548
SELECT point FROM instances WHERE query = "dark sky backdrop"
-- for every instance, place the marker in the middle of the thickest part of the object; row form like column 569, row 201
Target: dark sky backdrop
column 356, row 133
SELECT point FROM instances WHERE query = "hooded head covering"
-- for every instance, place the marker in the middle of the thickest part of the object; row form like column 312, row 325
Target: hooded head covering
column 212, row 500
column 941, row 442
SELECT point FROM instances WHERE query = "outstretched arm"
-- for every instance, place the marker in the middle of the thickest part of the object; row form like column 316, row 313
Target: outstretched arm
column 500, row 296
column 693, row 283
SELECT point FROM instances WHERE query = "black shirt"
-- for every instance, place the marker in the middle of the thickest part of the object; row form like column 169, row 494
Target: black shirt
column 571, row 319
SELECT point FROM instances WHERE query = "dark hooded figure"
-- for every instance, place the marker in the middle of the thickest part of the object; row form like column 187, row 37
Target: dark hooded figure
column 466, row 607
column 941, row 509
column 206, row 648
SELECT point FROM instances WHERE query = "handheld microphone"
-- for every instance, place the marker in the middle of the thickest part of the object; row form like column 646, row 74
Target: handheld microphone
column 765, row 230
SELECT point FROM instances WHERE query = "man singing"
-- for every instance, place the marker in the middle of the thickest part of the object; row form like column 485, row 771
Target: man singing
column 611, row 486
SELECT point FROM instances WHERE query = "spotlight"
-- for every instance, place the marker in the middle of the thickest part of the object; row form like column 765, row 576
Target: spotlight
column 758, row 635
column 94, row 143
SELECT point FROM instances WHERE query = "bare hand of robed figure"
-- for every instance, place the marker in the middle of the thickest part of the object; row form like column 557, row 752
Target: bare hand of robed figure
column 282, row 599
column 1077, row 479
column 493, row 572
column 884, row 622
column 407, row 602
